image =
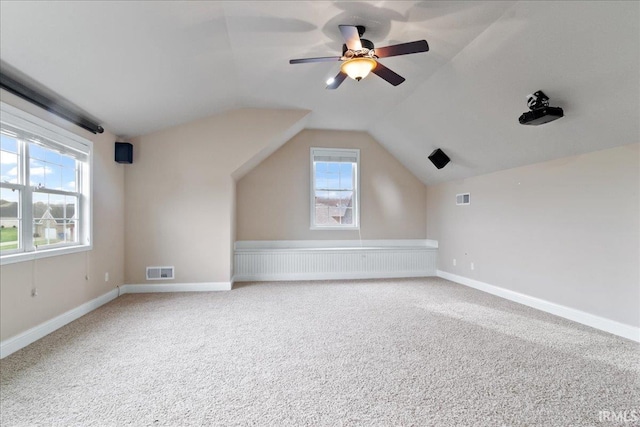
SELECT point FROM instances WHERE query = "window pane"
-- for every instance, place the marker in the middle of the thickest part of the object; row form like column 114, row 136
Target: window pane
column 347, row 217
column 54, row 219
column 338, row 176
column 323, row 204
column 53, row 157
column 346, row 199
column 321, row 177
column 9, row 170
column 322, row 215
column 333, row 176
column 69, row 178
column 71, row 231
column 53, row 176
column 40, row 204
column 331, row 207
column 37, row 171
column 8, row 167
column 8, row 143
column 37, row 152
column 71, row 207
column 333, row 168
column 50, row 169
column 322, row 198
column 67, row 162
column 9, row 219
column 346, row 176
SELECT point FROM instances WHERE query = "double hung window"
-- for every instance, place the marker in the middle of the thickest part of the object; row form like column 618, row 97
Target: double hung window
column 44, row 188
column 334, row 188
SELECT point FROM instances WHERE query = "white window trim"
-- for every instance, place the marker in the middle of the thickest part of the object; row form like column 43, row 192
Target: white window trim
column 312, row 204
column 20, row 119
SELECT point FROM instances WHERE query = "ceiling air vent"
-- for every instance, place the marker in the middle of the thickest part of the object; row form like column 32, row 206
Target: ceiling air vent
column 463, row 199
column 160, row 273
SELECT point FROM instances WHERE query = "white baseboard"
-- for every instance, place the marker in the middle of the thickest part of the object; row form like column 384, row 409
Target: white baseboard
column 17, row 342
column 13, row 344
column 175, row 287
column 597, row 322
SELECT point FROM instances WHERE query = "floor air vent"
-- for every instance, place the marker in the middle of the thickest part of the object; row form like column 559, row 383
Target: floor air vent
column 160, row 273
column 463, row 199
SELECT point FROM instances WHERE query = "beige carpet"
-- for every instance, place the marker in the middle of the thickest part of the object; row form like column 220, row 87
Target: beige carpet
column 409, row 352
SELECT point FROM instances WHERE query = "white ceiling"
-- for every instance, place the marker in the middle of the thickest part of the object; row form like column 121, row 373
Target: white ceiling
column 141, row 66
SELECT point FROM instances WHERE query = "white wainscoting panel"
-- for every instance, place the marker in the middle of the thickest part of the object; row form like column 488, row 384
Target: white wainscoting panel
column 264, row 262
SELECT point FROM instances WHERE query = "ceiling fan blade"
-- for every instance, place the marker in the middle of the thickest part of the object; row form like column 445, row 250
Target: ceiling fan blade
column 337, row 81
column 402, row 49
column 351, row 36
column 390, row 76
column 320, row 59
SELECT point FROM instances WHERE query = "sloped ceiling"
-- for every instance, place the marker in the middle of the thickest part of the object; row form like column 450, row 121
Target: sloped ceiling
column 139, row 67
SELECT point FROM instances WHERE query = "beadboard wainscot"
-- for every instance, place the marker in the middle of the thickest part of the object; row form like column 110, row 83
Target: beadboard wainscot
column 276, row 260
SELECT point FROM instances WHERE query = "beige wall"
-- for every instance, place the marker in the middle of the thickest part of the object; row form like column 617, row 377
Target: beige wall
column 61, row 280
column 566, row 231
column 273, row 199
column 180, row 192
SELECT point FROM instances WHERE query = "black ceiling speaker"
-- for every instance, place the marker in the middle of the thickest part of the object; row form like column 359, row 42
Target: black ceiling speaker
column 540, row 112
column 124, row 152
column 439, row 159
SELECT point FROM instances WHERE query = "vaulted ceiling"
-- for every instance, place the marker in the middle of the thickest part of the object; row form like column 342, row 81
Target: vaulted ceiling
column 139, row 66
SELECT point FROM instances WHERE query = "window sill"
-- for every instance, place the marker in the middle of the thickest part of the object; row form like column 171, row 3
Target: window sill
column 30, row 256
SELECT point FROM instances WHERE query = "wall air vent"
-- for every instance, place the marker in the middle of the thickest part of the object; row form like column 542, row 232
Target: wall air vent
column 463, row 199
column 160, row 273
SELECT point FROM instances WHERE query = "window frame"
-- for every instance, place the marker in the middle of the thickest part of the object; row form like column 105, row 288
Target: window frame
column 21, row 120
column 315, row 151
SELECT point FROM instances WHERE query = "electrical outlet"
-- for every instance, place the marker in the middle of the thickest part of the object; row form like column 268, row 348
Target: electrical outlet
column 34, row 292
column 106, row 276
column 473, row 267
column 454, row 262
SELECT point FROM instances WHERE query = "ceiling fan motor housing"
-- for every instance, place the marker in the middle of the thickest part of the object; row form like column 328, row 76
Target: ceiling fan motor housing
column 366, row 44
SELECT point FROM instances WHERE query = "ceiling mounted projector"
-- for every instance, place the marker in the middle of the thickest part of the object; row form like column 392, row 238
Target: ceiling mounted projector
column 540, row 112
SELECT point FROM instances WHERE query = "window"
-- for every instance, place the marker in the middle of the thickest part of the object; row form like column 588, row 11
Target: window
column 44, row 188
column 334, row 189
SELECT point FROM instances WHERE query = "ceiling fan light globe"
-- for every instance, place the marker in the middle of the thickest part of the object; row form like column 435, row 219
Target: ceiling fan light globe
column 358, row 68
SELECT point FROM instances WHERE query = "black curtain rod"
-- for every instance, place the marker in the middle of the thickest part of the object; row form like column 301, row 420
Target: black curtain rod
column 50, row 105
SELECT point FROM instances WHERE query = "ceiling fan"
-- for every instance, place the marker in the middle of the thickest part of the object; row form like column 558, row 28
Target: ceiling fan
column 360, row 57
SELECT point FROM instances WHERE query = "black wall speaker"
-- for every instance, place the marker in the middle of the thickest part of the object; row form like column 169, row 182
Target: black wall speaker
column 439, row 159
column 124, row 152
